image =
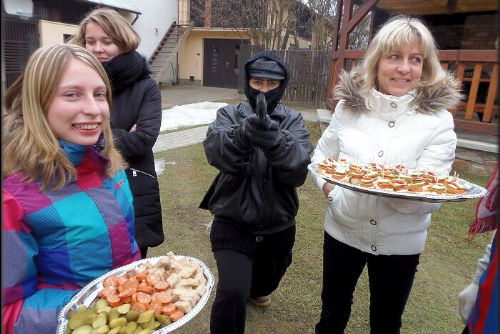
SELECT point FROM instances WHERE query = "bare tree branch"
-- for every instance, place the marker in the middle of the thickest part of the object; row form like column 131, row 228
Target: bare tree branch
column 275, row 24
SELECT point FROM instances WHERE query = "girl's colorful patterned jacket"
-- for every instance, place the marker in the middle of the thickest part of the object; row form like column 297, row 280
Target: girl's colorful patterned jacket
column 54, row 243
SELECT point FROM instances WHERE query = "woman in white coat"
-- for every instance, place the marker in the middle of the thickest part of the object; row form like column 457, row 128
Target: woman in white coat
column 393, row 109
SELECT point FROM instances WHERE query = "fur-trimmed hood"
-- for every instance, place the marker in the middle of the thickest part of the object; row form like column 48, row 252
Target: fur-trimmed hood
column 443, row 95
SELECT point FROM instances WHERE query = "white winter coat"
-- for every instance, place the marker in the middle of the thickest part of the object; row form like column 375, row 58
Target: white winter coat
column 414, row 131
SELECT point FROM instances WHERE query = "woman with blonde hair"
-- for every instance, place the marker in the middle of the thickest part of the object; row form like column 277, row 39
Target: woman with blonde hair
column 136, row 115
column 67, row 207
column 393, row 109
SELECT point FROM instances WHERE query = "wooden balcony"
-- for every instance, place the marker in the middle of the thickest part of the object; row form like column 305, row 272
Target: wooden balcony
column 476, row 69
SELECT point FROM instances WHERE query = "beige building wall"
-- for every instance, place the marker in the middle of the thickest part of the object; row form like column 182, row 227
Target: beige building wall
column 53, row 32
column 191, row 52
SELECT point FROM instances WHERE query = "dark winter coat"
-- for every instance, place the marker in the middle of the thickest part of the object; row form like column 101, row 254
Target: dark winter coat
column 256, row 190
column 137, row 100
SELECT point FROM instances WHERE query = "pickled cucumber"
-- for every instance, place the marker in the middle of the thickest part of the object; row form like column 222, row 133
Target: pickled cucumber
column 146, row 317
column 132, row 316
column 118, row 322
column 81, row 318
column 146, row 331
column 86, row 329
column 113, row 314
column 101, row 330
column 100, row 318
column 123, row 309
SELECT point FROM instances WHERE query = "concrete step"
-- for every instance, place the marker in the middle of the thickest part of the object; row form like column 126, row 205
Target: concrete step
column 477, row 145
column 324, row 115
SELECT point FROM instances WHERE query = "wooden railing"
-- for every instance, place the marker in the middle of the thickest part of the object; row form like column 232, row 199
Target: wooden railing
column 478, row 72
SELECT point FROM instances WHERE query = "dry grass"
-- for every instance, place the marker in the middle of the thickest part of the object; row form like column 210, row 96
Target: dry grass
column 447, row 263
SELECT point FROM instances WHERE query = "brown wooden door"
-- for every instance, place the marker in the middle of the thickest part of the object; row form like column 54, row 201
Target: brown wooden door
column 220, row 64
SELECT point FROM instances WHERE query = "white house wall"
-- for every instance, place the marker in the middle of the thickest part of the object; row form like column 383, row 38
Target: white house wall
column 153, row 23
column 18, row 7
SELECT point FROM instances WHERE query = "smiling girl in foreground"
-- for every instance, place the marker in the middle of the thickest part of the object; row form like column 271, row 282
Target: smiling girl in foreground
column 67, row 207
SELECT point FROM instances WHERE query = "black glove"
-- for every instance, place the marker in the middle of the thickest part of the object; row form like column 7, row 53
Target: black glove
column 261, row 106
column 262, row 132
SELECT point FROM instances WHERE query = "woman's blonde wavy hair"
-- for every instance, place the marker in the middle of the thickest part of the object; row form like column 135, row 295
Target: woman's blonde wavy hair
column 401, row 31
column 114, row 25
column 29, row 144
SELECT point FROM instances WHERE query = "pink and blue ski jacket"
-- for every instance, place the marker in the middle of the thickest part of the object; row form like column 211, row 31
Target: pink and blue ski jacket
column 54, row 243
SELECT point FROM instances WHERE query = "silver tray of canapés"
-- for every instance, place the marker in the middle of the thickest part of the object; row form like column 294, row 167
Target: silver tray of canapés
column 396, row 181
column 154, row 295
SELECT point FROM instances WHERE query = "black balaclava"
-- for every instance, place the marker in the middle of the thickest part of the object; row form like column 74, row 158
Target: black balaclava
column 268, row 65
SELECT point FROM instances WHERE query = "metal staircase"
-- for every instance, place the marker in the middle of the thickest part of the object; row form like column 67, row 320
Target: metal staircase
column 165, row 53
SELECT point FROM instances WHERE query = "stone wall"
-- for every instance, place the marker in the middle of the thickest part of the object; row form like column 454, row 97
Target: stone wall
column 480, row 32
column 473, row 31
column 474, row 161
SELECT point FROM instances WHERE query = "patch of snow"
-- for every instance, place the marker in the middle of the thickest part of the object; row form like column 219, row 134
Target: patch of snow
column 200, row 113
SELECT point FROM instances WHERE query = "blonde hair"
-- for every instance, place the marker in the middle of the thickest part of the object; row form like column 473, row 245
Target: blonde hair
column 114, row 25
column 398, row 32
column 29, row 144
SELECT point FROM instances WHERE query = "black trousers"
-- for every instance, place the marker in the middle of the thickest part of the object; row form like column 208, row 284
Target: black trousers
column 248, row 275
column 390, row 280
column 144, row 252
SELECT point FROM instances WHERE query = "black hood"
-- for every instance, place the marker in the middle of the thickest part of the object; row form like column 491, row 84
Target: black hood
column 274, row 96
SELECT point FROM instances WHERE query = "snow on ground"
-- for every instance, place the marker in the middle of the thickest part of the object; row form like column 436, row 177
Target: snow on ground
column 189, row 114
column 200, row 113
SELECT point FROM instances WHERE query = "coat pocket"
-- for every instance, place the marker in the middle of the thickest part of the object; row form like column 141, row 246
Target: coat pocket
column 141, row 182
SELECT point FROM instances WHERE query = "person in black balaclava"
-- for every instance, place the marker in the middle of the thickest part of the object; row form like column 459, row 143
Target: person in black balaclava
column 261, row 149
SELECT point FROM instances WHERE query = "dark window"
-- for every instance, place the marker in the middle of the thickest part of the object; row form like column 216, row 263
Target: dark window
column 66, row 37
column 236, row 55
column 215, row 59
column 197, row 12
column 58, row 11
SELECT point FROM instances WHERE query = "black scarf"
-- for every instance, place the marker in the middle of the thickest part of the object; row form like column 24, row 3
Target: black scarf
column 126, row 69
column 273, row 97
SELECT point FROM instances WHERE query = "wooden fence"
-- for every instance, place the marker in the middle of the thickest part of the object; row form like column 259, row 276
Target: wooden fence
column 309, row 71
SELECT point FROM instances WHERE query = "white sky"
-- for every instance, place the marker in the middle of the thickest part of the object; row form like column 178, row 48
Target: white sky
column 189, row 115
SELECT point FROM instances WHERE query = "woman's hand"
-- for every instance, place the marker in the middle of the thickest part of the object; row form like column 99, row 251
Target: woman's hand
column 133, row 128
column 327, row 187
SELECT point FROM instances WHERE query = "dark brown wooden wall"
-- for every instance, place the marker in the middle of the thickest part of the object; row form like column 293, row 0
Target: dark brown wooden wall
column 19, row 40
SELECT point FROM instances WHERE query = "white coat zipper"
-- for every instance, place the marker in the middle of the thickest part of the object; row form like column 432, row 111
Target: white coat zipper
column 135, row 171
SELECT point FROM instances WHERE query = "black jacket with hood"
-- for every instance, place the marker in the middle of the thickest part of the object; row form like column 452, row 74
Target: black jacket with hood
column 256, row 190
column 137, row 101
